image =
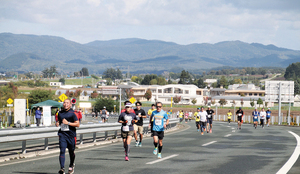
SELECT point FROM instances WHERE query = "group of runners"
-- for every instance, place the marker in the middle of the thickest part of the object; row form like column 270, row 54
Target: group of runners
column 132, row 124
column 187, row 116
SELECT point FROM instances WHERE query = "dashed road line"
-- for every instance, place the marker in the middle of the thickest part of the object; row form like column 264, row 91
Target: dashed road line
column 209, row 143
column 162, row 159
column 228, row 135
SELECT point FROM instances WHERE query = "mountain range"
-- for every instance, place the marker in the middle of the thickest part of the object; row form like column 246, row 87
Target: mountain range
column 19, row 52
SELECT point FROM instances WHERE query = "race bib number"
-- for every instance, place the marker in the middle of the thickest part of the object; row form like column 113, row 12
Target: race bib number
column 64, row 127
column 158, row 121
column 255, row 117
column 209, row 116
column 125, row 128
column 137, row 117
column 268, row 114
column 239, row 114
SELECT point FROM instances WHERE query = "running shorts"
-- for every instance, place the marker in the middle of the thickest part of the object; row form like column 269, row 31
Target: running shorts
column 239, row 118
column 159, row 134
column 139, row 129
column 126, row 134
column 209, row 120
column 197, row 123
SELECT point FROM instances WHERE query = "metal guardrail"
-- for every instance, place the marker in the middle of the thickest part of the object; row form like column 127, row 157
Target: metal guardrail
column 273, row 119
column 50, row 132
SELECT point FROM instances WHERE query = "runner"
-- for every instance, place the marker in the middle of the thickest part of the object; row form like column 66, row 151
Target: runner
column 268, row 112
column 177, row 114
column 255, row 115
column 197, row 120
column 240, row 114
column 186, row 116
column 106, row 118
column 127, row 119
column 203, row 118
column 181, row 116
column 210, row 114
column 190, row 115
column 159, row 126
column 103, row 115
column 138, row 127
column 262, row 115
column 150, row 118
column 67, row 135
column 229, row 114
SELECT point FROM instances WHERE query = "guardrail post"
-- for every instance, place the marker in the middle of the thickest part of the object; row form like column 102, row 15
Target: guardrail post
column 249, row 118
column 289, row 120
column 272, row 120
column 116, row 134
column 106, row 134
column 46, row 144
column 81, row 138
column 224, row 117
column 298, row 120
column 94, row 137
column 219, row 118
column 24, row 146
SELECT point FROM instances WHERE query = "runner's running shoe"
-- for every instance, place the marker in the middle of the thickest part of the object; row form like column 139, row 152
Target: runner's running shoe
column 210, row 131
column 71, row 169
column 155, row 151
column 140, row 144
column 201, row 133
column 136, row 144
column 61, row 171
column 159, row 155
column 126, row 158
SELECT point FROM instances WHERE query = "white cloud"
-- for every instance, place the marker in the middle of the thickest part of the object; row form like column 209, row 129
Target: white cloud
column 184, row 22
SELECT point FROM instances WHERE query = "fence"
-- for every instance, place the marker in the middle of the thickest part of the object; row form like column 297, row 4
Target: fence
column 24, row 135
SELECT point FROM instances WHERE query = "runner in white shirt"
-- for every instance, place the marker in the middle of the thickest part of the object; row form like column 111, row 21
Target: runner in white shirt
column 202, row 114
column 190, row 115
column 262, row 115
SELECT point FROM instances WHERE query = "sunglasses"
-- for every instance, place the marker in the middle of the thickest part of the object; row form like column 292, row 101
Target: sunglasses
column 159, row 106
column 138, row 105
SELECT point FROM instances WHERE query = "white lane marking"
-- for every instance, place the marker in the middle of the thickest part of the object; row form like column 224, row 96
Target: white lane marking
column 228, row 126
column 233, row 131
column 232, row 128
column 227, row 135
column 209, row 143
column 162, row 159
column 289, row 164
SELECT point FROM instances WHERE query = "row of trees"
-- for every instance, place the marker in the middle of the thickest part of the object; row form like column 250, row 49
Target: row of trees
column 112, row 74
column 245, row 70
column 49, row 72
column 83, row 72
column 293, row 73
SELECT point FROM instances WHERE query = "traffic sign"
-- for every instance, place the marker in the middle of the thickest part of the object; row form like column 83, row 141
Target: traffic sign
column 73, row 101
column 132, row 100
column 63, row 97
column 9, row 101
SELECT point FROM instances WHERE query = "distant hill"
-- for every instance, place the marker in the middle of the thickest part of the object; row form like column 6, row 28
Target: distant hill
column 34, row 53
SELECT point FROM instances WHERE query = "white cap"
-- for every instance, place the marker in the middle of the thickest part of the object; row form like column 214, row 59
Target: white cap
column 104, row 107
column 209, row 106
column 268, row 108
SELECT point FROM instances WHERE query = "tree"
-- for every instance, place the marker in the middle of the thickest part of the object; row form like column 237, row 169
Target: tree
column 148, row 78
column 252, row 102
column 292, row 71
column 39, row 95
column 161, row 81
column 176, row 99
column 62, row 80
column 85, row 71
column 238, row 81
column 223, row 82
column 112, row 74
column 194, row 101
column 200, row 83
column 185, row 77
column 94, row 94
column 222, row 102
column 129, row 93
column 148, row 94
column 107, row 102
column 259, row 101
column 213, row 102
column 153, row 82
column 52, row 71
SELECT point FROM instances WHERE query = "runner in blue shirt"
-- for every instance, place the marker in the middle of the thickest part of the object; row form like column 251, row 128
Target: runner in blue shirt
column 268, row 116
column 255, row 115
column 159, row 126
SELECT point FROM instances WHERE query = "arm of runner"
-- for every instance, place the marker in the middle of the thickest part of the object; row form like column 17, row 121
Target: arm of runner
column 74, row 124
column 167, row 123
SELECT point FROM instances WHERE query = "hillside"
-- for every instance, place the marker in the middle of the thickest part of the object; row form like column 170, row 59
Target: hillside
column 34, row 53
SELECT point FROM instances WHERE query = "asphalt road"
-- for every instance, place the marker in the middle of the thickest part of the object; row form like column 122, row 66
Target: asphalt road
column 226, row 150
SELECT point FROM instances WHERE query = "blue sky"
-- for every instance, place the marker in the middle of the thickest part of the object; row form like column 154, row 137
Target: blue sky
column 184, row 22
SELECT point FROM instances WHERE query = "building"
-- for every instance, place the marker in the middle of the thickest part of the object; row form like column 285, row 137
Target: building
column 58, row 84
column 165, row 92
column 244, row 90
column 210, row 81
